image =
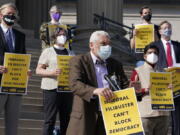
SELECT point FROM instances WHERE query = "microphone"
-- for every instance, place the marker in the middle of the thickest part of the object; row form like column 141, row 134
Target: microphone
column 111, row 83
column 114, row 79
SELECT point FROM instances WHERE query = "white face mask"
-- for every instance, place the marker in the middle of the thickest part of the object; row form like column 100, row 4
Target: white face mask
column 61, row 39
column 104, row 52
column 152, row 58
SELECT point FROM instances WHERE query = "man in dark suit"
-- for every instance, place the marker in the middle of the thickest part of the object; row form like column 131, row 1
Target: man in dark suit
column 87, row 82
column 11, row 41
column 169, row 56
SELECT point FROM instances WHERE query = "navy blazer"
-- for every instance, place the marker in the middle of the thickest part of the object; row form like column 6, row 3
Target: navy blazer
column 19, row 38
column 162, row 63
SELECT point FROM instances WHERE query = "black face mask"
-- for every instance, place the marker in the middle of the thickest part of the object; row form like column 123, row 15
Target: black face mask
column 147, row 17
column 9, row 19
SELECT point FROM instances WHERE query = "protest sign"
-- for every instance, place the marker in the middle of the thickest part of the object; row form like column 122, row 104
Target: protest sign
column 63, row 78
column 175, row 80
column 16, row 79
column 144, row 36
column 121, row 115
column 161, row 95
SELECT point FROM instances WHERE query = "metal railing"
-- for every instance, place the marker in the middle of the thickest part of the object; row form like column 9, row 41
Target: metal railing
column 107, row 24
column 104, row 22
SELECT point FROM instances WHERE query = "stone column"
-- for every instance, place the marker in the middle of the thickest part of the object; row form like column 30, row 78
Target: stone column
column 33, row 13
column 112, row 9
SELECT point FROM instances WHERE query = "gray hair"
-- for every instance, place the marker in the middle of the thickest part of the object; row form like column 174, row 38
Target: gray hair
column 54, row 8
column 95, row 35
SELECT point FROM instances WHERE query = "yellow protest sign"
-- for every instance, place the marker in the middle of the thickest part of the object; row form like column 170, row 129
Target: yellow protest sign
column 144, row 36
column 63, row 78
column 175, row 80
column 51, row 31
column 121, row 115
column 161, row 95
column 16, row 79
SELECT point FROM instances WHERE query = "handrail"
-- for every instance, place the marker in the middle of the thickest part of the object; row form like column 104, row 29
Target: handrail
column 103, row 19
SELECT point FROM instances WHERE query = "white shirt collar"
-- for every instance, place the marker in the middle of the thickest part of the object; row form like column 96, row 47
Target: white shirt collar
column 164, row 41
column 4, row 28
column 94, row 58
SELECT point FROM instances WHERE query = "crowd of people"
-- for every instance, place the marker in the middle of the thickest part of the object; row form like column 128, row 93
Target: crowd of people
column 79, row 110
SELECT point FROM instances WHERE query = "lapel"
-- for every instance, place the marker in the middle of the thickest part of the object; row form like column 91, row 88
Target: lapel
column 162, row 55
column 91, row 69
column 175, row 46
column 110, row 67
column 4, row 44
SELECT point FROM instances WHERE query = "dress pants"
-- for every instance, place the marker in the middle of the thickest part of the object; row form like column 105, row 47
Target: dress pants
column 156, row 125
column 56, row 102
column 176, row 118
column 100, row 128
column 11, row 105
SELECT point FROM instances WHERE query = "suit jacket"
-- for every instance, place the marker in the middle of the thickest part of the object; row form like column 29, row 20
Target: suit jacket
column 162, row 63
column 19, row 44
column 83, row 82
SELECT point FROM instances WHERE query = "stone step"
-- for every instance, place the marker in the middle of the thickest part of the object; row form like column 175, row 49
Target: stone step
column 38, row 115
column 27, row 123
column 25, row 131
column 27, row 127
column 35, row 77
column 30, row 100
column 31, row 108
column 34, row 82
column 33, row 87
column 34, row 94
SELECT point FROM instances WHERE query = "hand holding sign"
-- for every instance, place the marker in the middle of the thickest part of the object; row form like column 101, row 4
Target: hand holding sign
column 56, row 72
column 29, row 73
column 135, row 32
column 106, row 92
column 3, row 69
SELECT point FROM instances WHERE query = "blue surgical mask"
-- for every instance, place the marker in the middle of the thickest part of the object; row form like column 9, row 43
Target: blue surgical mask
column 104, row 52
column 167, row 32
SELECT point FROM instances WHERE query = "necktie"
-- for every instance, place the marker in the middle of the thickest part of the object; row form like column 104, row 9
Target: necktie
column 169, row 55
column 9, row 40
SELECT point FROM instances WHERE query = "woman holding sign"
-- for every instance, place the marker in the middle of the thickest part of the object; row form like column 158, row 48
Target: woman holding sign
column 54, row 101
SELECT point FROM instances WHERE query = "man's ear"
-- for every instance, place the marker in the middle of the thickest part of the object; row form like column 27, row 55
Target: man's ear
column 90, row 45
